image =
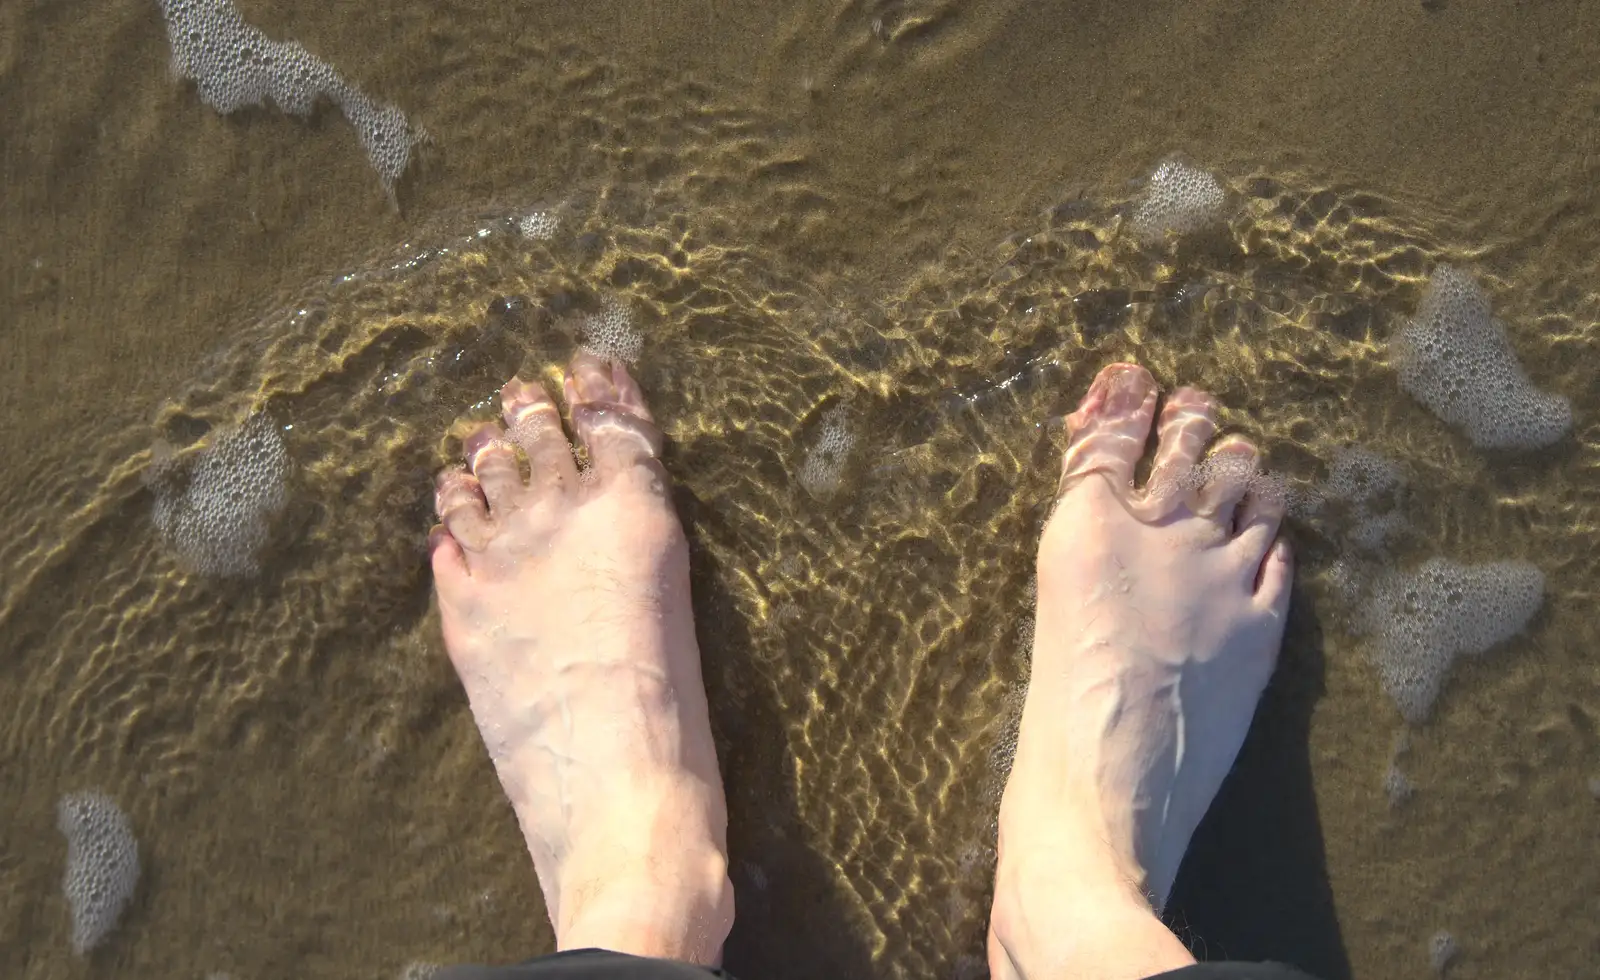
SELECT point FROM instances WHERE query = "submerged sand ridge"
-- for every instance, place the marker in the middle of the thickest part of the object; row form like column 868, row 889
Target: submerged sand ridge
column 868, row 628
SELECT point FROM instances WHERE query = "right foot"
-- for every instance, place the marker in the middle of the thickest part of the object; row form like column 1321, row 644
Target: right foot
column 565, row 606
column 1160, row 616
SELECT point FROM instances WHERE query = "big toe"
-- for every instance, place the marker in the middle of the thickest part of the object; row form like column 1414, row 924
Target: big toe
column 1111, row 426
column 611, row 420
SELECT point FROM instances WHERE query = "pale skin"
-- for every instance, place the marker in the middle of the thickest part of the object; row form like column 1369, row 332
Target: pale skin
column 565, row 605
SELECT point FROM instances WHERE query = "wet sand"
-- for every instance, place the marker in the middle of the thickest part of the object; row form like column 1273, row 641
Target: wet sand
column 844, row 183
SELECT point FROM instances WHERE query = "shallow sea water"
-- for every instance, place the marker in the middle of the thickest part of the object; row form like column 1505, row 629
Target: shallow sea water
column 903, row 219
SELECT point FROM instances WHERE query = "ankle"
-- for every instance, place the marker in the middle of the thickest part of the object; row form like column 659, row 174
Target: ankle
column 1071, row 898
column 1055, row 823
column 679, row 907
column 1061, row 916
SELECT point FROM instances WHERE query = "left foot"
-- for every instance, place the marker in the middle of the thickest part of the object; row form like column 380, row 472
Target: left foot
column 565, row 605
column 1160, row 614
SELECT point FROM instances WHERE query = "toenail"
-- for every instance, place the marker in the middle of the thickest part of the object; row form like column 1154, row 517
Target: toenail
column 592, row 380
column 529, row 425
column 1125, row 391
column 495, row 442
column 479, row 439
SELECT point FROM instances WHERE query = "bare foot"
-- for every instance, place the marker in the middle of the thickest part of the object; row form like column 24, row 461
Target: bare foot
column 565, row 604
column 1161, row 612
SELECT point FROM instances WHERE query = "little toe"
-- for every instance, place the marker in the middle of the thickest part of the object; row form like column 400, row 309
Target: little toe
column 462, row 508
column 1188, row 421
column 534, row 422
column 1110, row 427
column 610, row 420
column 449, row 562
column 492, row 458
column 1225, row 477
column 1274, row 579
column 1259, row 516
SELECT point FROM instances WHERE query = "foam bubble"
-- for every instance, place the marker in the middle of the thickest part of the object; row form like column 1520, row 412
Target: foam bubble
column 1368, row 488
column 1237, row 470
column 102, row 865
column 1397, row 785
column 611, row 333
column 235, row 65
column 822, row 469
column 1456, row 359
column 216, row 510
column 529, row 428
column 1373, row 532
column 1361, row 476
column 1442, row 949
column 539, row 226
column 1423, row 620
column 1178, row 200
column 1003, row 753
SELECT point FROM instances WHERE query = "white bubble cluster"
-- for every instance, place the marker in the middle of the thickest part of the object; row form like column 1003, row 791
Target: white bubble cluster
column 1442, row 949
column 1456, row 359
column 611, row 334
column 1370, row 486
column 235, row 65
column 539, row 226
column 822, row 468
column 1421, row 621
column 216, row 512
column 528, row 428
column 1397, row 785
column 1178, row 200
column 1224, row 475
column 102, row 865
column 1362, row 476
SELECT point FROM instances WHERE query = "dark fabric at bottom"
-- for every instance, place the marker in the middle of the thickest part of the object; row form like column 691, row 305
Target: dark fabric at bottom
column 583, row 964
column 602, row 964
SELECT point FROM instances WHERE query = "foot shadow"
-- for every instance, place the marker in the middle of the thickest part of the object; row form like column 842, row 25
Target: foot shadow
column 1254, row 883
column 790, row 922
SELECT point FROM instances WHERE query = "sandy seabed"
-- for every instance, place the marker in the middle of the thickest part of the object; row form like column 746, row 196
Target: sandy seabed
column 869, row 211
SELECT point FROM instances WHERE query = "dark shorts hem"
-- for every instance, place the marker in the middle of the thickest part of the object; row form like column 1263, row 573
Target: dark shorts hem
column 603, row 964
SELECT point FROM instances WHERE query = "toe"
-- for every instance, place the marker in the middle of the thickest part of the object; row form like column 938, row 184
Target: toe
column 1275, row 577
column 534, row 423
column 492, row 458
column 1225, row 478
column 1188, row 421
column 1260, row 515
column 610, row 419
column 628, row 394
column 449, row 563
column 462, row 508
column 1110, row 427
